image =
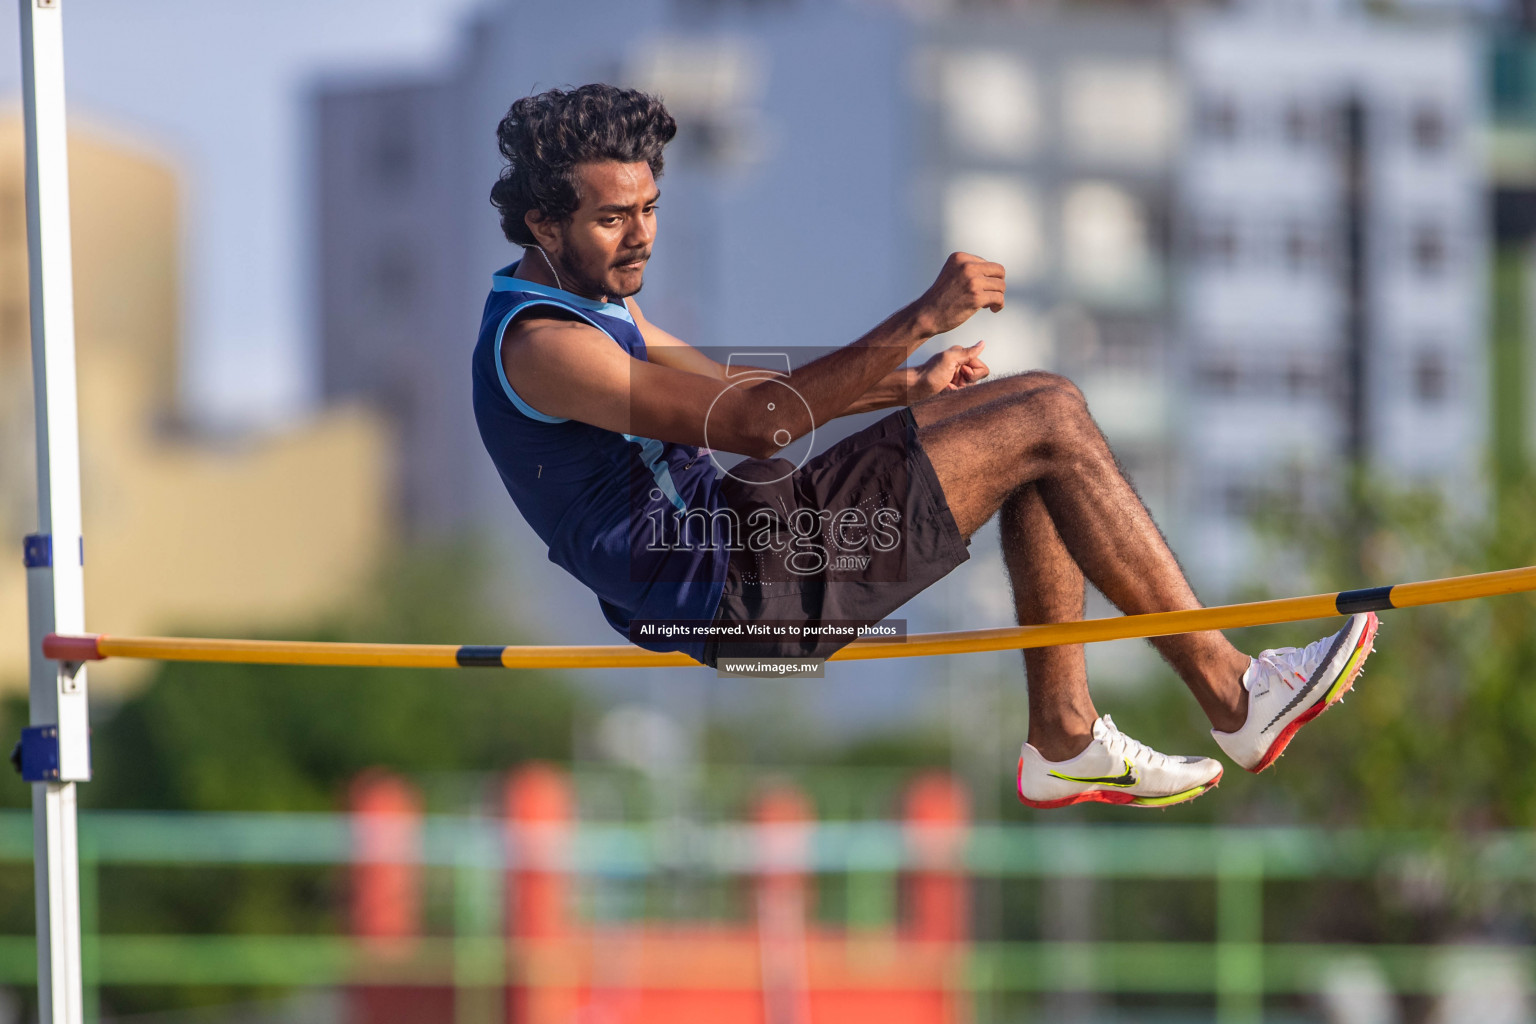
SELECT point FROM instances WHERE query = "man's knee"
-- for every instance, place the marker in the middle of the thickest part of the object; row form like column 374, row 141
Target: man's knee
column 1055, row 422
column 1045, row 423
column 1035, row 380
column 1035, row 384
column 1053, row 398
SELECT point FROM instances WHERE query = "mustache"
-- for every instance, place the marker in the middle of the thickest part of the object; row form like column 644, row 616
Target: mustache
column 639, row 254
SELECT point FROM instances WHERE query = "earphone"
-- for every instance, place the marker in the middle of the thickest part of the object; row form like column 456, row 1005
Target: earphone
column 550, row 264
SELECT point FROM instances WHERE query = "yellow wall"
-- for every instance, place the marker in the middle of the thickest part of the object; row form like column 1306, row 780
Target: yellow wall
column 179, row 534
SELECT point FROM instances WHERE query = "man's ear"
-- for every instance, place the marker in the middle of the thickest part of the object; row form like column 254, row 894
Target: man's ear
column 544, row 230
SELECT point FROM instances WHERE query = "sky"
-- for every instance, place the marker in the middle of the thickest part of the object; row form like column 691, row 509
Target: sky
column 219, row 90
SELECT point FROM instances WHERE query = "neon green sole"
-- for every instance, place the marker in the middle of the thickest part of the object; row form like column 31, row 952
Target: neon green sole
column 1346, row 677
column 1174, row 798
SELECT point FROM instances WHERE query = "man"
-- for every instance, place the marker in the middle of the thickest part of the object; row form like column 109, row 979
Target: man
column 600, row 422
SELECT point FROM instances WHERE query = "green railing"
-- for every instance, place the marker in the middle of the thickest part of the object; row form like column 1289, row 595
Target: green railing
column 1235, row 966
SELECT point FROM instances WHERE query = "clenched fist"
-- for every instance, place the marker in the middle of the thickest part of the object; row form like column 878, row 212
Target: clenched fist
column 967, row 283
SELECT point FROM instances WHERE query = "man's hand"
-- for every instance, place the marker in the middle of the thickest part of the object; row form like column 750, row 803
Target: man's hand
column 967, row 283
column 955, row 367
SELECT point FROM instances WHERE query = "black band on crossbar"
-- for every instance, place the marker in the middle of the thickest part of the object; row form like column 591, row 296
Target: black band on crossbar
column 1372, row 599
column 471, row 656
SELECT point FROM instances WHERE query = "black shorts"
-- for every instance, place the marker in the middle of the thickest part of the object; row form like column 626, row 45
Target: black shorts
column 849, row 537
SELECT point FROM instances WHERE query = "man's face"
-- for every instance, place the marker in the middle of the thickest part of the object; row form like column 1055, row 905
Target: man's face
column 602, row 250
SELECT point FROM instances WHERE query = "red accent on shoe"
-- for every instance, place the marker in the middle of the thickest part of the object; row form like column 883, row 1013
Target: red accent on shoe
column 1092, row 796
column 1278, row 747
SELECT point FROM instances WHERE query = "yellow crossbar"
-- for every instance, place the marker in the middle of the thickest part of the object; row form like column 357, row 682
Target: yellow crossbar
column 1233, row 616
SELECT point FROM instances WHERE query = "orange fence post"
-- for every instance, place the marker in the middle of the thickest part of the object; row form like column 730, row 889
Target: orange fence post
column 783, row 815
column 385, row 904
column 936, row 815
column 547, row 979
column 938, row 919
column 386, row 848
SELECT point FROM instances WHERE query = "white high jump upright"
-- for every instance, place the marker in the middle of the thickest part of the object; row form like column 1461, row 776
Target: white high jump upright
column 56, row 749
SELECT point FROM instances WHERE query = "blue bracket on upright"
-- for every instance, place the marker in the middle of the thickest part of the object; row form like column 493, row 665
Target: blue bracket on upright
column 37, row 755
column 37, row 550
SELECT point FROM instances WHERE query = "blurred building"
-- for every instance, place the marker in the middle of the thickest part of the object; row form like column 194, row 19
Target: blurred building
column 1047, row 141
column 393, row 267
column 1048, row 144
column 1512, row 181
column 180, row 532
column 1332, row 295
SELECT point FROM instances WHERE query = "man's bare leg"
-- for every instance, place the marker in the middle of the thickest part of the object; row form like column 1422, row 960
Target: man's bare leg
column 1033, row 432
column 1048, row 587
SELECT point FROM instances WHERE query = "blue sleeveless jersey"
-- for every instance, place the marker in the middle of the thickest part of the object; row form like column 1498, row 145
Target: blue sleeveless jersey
column 613, row 508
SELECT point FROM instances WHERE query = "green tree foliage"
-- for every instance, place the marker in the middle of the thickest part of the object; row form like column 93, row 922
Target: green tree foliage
column 269, row 738
column 1438, row 732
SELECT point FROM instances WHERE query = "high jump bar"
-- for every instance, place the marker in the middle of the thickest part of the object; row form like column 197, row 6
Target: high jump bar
column 93, row 647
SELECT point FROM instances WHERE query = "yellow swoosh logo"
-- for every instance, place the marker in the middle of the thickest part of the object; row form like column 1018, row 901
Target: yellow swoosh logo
column 1128, row 779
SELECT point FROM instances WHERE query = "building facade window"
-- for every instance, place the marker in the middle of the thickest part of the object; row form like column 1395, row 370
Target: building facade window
column 1303, row 246
column 1301, row 123
column 1216, row 117
column 1429, row 249
column 1120, row 111
column 394, row 275
column 1104, row 236
column 996, row 216
column 1287, row 488
column 1429, row 127
column 1305, row 378
column 1238, row 500
column 392, row 151
column 1216, row 242
column 1299, row 376
column 990, row 103
column 1219, row 375
column 1431, row 376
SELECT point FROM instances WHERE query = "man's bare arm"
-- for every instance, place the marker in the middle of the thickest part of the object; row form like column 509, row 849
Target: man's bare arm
column 572, row 370
column 900, row 387
column 830, row 384
column 617, row 392
column 669, row 350
column 893, row 390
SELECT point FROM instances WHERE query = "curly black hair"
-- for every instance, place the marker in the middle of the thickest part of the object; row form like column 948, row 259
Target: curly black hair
column 544, row 137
